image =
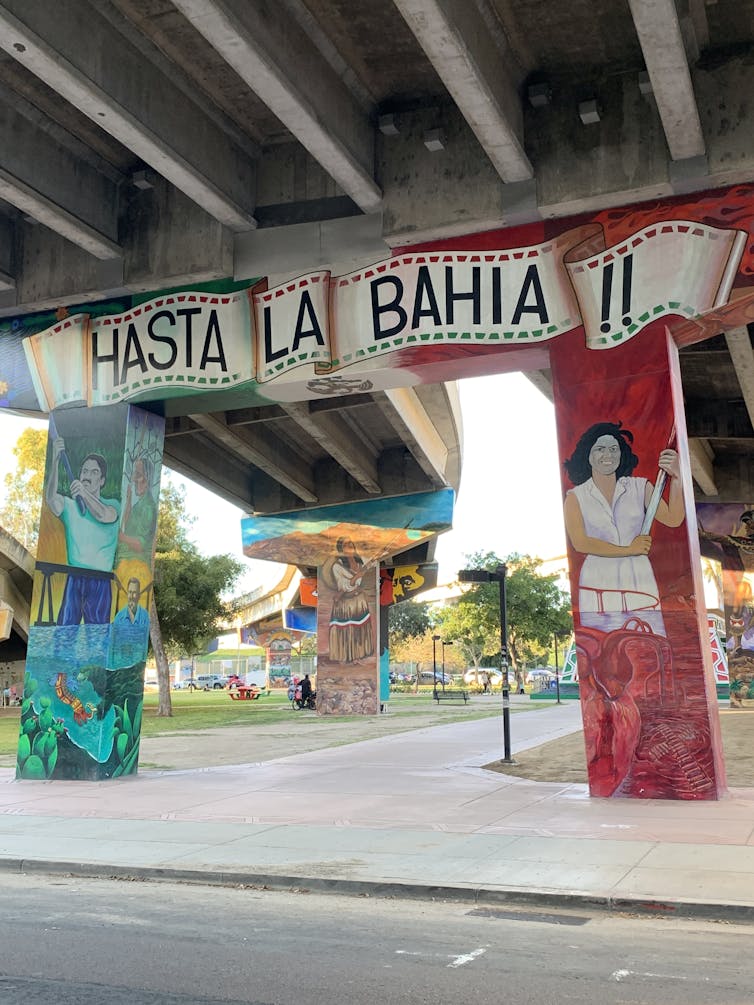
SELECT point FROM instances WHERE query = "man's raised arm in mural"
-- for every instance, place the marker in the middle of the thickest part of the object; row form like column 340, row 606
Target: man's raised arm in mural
column 86, row 487
column 91, row 535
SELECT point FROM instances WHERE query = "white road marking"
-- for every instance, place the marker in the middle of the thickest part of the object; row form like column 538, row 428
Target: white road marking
column 456, row 961
column 619, row 975
column 459, row 961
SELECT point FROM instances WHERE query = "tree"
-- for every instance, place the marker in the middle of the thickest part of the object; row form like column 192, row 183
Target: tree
column 188, row 590
column 473, row 623
column 537, row 610
column 20, row 512
column 409, row 625
column 407, row 620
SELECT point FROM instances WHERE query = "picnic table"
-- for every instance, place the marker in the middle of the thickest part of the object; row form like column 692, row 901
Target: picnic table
column 245, row 692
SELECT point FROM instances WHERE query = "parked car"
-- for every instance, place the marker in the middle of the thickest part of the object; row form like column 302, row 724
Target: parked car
column 210, row 681
column 399, row 678
column 472, row 676
column 429, row 677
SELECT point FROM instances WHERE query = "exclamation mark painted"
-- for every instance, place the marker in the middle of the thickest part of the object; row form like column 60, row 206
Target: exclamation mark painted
column 607, row 289
column 628, row 265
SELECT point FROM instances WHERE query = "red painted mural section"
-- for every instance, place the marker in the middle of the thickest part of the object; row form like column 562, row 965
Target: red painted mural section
column 650, row 723
column 647, row 688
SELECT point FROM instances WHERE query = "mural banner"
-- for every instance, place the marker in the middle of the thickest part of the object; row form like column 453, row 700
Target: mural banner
column 186, row 341
column 294, row 341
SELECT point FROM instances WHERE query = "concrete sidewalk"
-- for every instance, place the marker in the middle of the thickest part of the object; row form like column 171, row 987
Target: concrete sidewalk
column 412, row 814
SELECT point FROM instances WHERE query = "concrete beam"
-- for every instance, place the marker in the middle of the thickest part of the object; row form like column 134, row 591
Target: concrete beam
column 8, row 252
column 458, row 43
column 713, row 418
column 662, row 43
column 273, row 55
column 18, row 603
column 75, row 51
column 49, row 183
column 343, row 245
column 170, row 241
column 742, row 357
column 52, row 272
column 702, row 468
column 231, row 481
column 542, row 380
column 43, row 210
column 409, row 418
column 252, row 448
column 327, row 429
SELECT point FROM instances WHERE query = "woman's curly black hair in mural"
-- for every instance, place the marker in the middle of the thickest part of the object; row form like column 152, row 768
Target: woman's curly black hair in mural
column 578, row 468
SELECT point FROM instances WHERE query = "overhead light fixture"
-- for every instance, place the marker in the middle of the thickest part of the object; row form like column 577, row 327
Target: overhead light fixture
column 387, row 125
column 645, row 84
column 140, row 180
column 539, row 94
column 589, row 112
column 434, row 140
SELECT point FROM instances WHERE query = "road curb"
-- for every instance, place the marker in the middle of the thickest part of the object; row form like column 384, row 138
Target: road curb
column 476, row 895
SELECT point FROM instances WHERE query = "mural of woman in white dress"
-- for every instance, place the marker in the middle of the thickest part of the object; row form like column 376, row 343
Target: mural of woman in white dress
column 604, row 514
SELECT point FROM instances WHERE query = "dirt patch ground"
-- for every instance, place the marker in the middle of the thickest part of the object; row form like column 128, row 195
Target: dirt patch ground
column 564, row 760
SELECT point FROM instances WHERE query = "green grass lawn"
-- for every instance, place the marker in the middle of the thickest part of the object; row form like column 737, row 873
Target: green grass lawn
column 197, row 710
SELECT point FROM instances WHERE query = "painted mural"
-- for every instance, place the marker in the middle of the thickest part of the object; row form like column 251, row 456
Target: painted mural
column 603, row 302
column 81, row 713
column 347, row 545
column 644, row 679
column 726, row 533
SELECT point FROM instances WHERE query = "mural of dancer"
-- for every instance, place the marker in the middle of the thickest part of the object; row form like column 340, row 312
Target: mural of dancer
column 607, row 517
column 351, row 624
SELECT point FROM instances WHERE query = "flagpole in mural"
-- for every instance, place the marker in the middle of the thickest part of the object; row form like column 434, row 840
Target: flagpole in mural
column 604, row 303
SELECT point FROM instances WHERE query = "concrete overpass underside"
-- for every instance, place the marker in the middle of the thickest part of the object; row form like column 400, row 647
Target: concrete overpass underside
column 16, row 572
column 152, row 143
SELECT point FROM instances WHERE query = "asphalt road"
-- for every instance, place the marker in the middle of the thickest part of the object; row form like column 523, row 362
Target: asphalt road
column 97, row 942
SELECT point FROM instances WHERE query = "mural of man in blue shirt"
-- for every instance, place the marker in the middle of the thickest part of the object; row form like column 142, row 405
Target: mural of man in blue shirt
column 91, row 536
column 130, row 629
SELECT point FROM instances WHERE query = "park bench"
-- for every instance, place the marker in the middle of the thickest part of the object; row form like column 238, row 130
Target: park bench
column 450, row 694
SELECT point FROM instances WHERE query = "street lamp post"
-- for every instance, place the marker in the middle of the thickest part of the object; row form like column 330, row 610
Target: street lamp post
column 557, row 671
column 435, row 640
column 444, row 643
column 498, row 576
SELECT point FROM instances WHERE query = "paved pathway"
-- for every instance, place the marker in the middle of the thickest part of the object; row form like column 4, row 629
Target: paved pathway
column 410, row 814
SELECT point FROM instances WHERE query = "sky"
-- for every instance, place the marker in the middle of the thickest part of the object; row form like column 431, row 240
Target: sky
column 509, row 499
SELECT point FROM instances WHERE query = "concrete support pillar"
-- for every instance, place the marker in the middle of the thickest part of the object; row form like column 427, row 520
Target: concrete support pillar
column 348, row 657
column 645, row 672
column 89, row 626
column 278, row 649
column 726, row 535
